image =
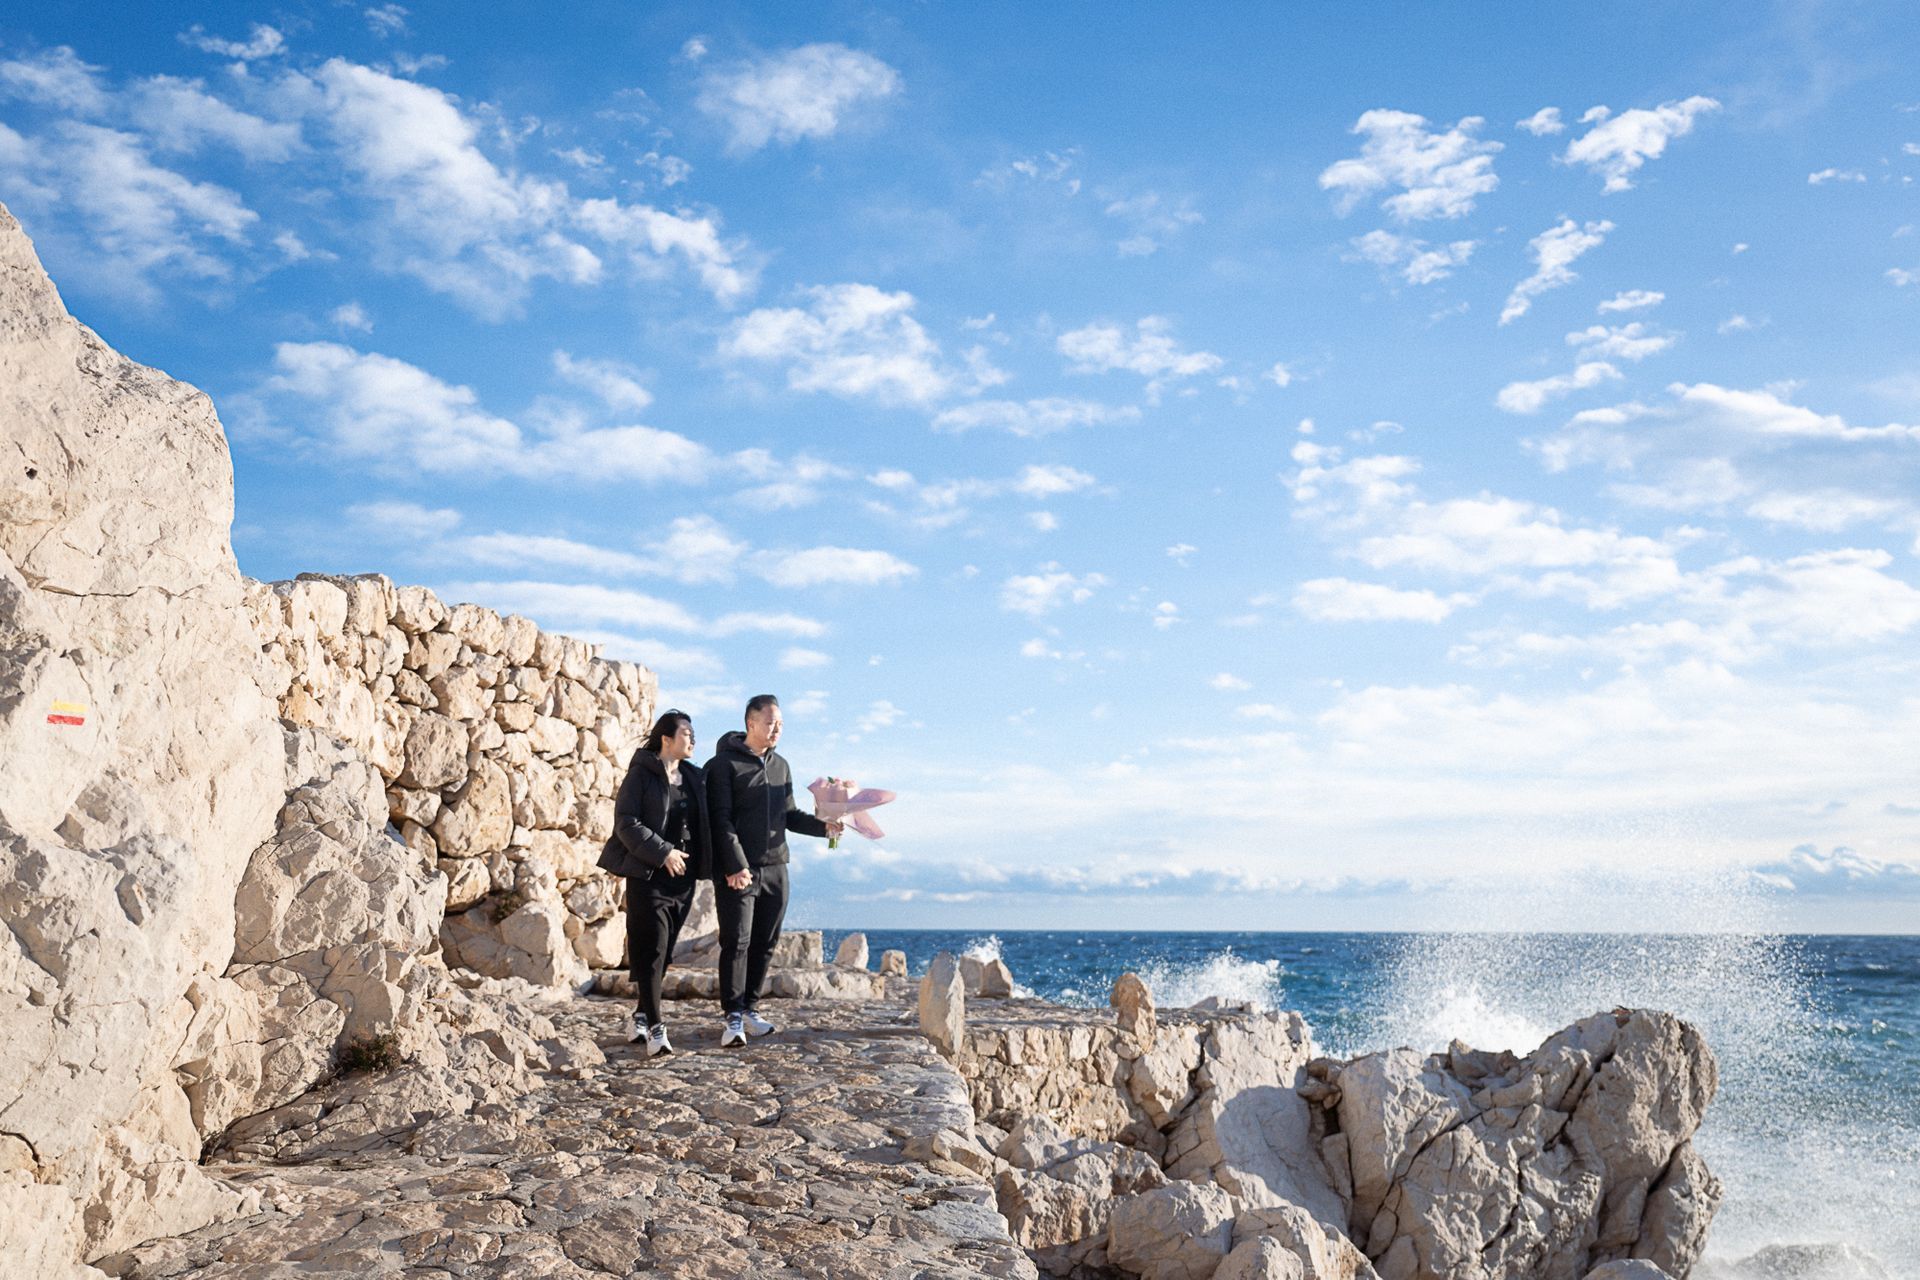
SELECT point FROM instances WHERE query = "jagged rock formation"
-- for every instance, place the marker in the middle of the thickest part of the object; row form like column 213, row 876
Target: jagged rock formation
column 1462, row 1166
column 500, row 746
column 143, row 768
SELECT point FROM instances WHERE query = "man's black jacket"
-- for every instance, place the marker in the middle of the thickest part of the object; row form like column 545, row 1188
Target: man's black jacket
column 637, row 846
column 750, row 803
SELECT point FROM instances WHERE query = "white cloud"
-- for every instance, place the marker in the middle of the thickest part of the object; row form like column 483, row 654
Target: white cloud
column 469, row 229
column 386, row 20
column 1166, row 615
column 1227, row 682
column 832, row 566
column 351, row 315
column 799, row 659
column 1632, row 300
column 802, row 93
column 1149, row 351
column 785, row 484
column 404, row 520
column 1151, row 221
column 141, row 221
column 1280, row 375
column 1440, row 175
column 1040, row 593
column 1344, row 600
column 1043, row 521
column 180, row 115
column 56, row 78
column 1629, row 342
column 850, row 340
column 1737, row 324
column 1032, row 417
column 1835, row 175
column 512, row 550
column 374, row 407
column 1842, row 873
column 1543, row 122
column 1554, row 250
column 651, row 235
column 560, row 604
column 617, row 385
column 1617, row 146
column 698, row 549
column 1902, row 277
column 1530, row 397
column 563, row 604
column 1763, row 413
column 262, row 42
column 694, row 49
column 1824, row 510
column 1416, row 263
column 1050, row 481
column 878, row 715
column 1181, row 552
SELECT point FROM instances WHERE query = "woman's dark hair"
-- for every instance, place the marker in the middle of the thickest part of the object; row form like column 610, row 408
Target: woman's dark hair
column 665, row 727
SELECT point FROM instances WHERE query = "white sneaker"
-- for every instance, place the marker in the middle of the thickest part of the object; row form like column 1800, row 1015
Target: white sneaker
column 736, row 1033
column 657, row 1043
column 757, row 1025
column 639, row 1032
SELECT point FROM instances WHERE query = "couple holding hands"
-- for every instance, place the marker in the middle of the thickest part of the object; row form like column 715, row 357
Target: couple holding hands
column 675, row 824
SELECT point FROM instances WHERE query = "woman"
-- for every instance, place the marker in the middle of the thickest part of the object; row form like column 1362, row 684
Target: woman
column 661, row 845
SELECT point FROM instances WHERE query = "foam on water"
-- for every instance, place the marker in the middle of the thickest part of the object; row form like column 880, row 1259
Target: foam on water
column 1224, row 975
column 1794, row 1150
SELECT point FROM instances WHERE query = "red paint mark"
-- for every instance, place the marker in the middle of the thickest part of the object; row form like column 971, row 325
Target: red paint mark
column 58, row 719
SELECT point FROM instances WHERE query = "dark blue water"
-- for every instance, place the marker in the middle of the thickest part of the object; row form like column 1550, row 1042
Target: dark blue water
column 1816, row 1129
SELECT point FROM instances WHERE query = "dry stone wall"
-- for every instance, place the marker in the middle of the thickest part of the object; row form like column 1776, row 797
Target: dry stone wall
column 501, row 748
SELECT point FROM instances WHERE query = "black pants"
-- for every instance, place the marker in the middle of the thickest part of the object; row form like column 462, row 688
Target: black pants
column 749, row 926
column 653, row 926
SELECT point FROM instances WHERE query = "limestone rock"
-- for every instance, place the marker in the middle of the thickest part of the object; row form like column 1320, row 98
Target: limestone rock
column 528, row 941
column 893, row 964
column 142, row 766
column 852, row 952
column 1181, row 1231
column 943, row 1004
column 1250, row 1131
column 798, row 949
column 1133, row 1008
column 1625, row 1269
column 1582, row 1147
column 1261, row 1258
column 1319, row 1251
column 988, row 979
column 436, row 753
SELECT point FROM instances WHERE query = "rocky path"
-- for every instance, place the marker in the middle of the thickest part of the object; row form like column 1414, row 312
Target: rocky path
column 787, row 1159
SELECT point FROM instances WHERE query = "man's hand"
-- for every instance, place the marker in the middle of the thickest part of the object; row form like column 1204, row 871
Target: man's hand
column 834, row 828
column 676, row 863
column 739, row 880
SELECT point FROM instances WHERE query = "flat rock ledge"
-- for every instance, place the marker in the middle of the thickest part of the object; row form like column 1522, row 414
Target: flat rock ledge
column 821, row 1151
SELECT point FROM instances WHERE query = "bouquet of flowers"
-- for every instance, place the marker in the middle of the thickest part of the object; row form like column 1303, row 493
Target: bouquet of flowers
column 844, row 800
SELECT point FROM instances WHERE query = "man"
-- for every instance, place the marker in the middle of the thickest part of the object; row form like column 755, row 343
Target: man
column 751, row 806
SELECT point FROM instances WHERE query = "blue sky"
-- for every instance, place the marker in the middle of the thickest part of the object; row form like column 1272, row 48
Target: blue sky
column 1244, row 467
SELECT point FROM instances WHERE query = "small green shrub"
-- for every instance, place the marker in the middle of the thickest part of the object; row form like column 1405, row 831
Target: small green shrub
column 378, row 1052
column 508, row 903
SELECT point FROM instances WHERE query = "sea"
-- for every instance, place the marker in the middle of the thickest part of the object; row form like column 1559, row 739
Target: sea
column 1815, row 1131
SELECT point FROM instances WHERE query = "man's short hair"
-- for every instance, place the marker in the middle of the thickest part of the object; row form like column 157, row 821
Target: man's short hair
column 760, row 702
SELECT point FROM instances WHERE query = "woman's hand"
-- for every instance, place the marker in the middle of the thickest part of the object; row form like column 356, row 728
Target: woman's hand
column 739, row 880
column 676, row 863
